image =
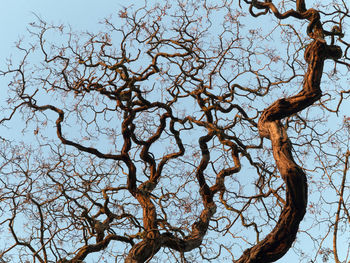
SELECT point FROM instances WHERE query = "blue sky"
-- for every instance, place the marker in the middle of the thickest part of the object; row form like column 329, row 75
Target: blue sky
column 15, row 16
column 80, row 14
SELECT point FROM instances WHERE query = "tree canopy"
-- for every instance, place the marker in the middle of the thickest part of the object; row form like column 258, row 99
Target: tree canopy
column 185, row 131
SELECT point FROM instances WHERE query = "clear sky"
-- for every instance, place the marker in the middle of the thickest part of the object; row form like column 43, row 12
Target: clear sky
column 81, row 14
column 15, row 15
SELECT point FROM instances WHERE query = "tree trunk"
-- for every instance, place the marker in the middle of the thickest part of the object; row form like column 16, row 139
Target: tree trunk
column 281, row 238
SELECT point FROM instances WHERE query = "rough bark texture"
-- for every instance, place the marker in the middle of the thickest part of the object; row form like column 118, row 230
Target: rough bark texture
column 150, row 245
column 156, row 126
column 279, row 241
column 153, row 240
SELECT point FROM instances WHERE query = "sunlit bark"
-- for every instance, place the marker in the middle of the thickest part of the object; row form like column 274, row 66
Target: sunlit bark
column 279, row 241
column 153, row 138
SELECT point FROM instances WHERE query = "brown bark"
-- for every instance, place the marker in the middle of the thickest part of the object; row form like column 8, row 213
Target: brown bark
column 153, row 241
column 151, row 244
column 195, row 238
column 143, row 251
column 148, row 247
column 278, row 242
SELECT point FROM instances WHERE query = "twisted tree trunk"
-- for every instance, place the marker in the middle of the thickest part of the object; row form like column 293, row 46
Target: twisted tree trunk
column 278, row 242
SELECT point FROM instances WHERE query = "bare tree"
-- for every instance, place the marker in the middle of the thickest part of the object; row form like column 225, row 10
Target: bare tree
column 161, row 139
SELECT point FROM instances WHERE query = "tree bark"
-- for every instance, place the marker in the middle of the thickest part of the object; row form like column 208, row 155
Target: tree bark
column 281, row 238
column 151, row 243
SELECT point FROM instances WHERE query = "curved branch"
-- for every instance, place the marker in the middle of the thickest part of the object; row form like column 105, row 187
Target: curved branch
column 278, row 242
